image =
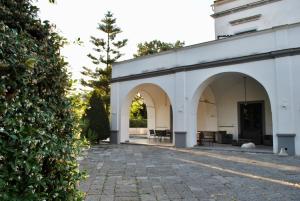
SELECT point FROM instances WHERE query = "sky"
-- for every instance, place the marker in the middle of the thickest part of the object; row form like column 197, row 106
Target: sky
column 140, row 21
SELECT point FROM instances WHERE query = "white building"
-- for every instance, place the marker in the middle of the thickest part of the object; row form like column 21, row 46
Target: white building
column 246, row 82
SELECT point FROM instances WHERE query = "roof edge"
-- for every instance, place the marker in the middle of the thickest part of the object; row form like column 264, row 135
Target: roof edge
column 234, row 37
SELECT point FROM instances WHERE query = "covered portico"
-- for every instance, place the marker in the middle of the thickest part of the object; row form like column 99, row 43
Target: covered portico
column 158, row 107
column 205, row 84
column 236, row 106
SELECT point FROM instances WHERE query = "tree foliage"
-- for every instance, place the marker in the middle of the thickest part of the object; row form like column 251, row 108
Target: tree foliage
column 138, row 113
column 138, row 108
column 156, row 46
column 106, row 52
column 38, row 147
column 97, row 123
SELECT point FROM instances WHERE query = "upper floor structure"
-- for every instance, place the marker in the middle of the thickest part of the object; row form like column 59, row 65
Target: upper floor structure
column 265, row 43
column 234, row 17
column 213, row 75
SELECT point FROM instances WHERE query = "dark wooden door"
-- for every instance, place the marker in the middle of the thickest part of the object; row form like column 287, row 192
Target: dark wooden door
column 251, row 121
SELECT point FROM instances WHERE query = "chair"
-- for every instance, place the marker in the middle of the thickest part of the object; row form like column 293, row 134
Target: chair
column 223, row 138
column 163, row 134
column 160, row 134
column 169, row 134
column 152, row 134
column 199, row 135
column 206, row 137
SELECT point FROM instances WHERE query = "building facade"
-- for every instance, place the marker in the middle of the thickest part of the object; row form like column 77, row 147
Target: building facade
column 246, row 82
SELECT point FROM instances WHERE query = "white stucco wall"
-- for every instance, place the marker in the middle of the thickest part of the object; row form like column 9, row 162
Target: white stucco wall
column 150, row 107
column 278, row 76
column 219, row 7
column 273, row 14
column 295, row 63
column 138, row 131
column 207, row 117
column 185, row 89
column 260, row 42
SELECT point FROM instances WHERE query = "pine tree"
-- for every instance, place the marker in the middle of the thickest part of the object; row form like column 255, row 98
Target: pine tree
column 107, row 52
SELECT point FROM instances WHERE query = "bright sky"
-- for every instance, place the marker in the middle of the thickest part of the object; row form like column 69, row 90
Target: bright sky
column 140, row 21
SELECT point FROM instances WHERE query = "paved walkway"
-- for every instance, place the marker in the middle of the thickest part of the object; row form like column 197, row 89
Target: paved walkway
column 147, row 173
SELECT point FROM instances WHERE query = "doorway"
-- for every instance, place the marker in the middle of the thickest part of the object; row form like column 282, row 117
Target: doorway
column 251, row 121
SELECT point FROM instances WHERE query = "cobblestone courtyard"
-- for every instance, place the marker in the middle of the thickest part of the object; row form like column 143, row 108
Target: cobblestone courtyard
column 146, row 173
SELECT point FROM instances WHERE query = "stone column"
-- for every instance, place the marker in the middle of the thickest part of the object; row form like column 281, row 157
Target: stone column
column 115, row 114
column 114, row 137
column 287, row 142
column 180, row 131
column 180, row 139
column 285, row 106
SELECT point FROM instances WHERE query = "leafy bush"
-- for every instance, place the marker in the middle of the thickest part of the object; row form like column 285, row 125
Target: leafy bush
column 38, row 144
column 96, row 119
column 138, row 109
column 138, row 123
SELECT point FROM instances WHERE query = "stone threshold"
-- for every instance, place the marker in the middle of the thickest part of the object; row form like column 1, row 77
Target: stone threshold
column 233, row 149
column 147, row 144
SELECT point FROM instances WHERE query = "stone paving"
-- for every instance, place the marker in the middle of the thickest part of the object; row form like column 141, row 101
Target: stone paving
column 147, row 173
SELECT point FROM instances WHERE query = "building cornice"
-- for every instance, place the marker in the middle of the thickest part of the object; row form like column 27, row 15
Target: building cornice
column 220, row 2
column 203, row 44
column 243, row 7
column 212, row 64
column 245, row 20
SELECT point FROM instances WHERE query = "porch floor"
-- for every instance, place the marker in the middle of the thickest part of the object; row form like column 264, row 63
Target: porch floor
column 144, row 140
column 228, row 147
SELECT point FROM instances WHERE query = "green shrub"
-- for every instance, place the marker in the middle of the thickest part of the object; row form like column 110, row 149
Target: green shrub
column 138, row 123
column 96, row 119
column 38, row 144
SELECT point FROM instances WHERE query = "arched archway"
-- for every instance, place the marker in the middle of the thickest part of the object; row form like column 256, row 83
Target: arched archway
column 158, row 107
column 236, row 104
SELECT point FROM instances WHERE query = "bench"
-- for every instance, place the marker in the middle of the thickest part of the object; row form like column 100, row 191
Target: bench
column 223, row 138
column 206, row 137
